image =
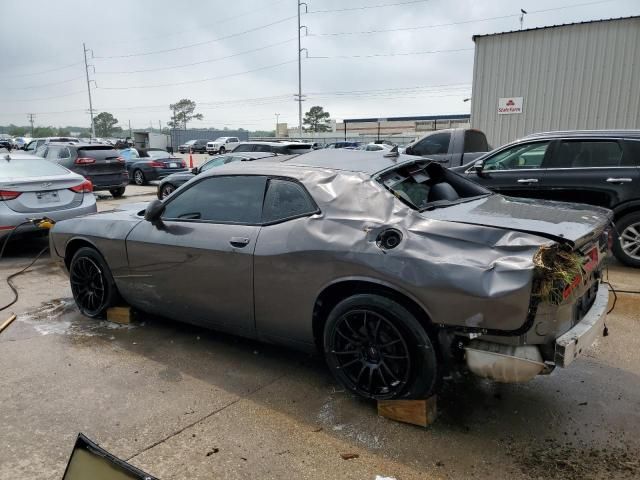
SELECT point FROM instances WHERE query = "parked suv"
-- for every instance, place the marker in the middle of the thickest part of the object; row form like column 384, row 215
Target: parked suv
column 600, row 167
column 33, row 145
column 99, row 163
column 195, row 146
column 283, row 148
column 222, row 145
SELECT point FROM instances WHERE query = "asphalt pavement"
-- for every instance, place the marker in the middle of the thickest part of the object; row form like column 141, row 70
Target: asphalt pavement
column 184, row 402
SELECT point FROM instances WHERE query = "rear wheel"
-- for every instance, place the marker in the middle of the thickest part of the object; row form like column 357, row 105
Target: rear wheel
column 117, row 192
column 626, row 247
column 138, row 177
column 378, row 349
column 92, row 284
column 166, row 190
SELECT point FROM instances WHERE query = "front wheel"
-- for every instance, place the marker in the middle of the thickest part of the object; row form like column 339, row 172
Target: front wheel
column 626, row 246
column 378, row 349
column 117, row 192
column 92, row 284
column 222, row 150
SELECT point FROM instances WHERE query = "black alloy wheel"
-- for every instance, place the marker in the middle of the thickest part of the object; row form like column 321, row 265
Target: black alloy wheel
column 166, row 190
column 378, row 349
column 222, row 150
column 138, row 177
column 92, row 285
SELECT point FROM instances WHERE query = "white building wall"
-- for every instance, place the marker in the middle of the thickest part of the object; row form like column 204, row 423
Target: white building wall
column 580, row 76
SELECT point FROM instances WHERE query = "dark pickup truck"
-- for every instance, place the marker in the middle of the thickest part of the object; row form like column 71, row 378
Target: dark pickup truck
column 452, row 147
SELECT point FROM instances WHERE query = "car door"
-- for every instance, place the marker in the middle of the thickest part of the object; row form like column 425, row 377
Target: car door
column 596, row 171
column 283, row 263
column 515, row 170
column 197, row 265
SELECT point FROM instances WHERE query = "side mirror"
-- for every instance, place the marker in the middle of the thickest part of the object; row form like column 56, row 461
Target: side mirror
column 153, row 211
column 478, row 167
column 195, row 170
column 408, row 150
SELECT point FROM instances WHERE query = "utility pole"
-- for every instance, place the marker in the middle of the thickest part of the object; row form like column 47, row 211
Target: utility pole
column 31, row 115
column 299, row 95
column 522, row 14
column 277, row 115
column 130, row 134
column 160, row 126
column 86, row 70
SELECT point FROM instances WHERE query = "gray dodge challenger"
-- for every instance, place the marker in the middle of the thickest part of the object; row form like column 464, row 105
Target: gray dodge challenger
column 398, row 270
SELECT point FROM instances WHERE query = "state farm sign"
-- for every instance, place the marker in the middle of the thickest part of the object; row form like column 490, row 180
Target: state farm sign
column 510, row 105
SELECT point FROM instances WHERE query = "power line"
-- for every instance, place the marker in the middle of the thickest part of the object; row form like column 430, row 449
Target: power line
column 189, row 82
column 451, row 24
column 211, row 60
column 398, row 54
column 44, row 84
column 22, row 100
column 20, row 75
column 412, row 2
column 166, row 50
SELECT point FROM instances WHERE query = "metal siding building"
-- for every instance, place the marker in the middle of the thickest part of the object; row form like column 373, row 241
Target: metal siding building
column 575, row 76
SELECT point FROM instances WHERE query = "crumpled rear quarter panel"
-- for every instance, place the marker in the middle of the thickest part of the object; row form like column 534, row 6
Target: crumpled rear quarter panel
column 460, row 274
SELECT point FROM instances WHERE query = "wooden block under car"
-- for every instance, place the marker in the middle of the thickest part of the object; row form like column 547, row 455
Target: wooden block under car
column 119, row 314
column 415, row 412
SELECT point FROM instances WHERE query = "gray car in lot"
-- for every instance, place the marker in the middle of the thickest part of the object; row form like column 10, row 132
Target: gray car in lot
column 32, row 188
column 395, row 268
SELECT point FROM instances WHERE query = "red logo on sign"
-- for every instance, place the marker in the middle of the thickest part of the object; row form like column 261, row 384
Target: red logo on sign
column 510, row 103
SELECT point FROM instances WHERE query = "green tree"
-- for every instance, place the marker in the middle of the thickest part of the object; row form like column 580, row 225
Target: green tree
column 316, row 120
column 16, row 131
column 183, row 113
column 43, row 132
column 104, row 123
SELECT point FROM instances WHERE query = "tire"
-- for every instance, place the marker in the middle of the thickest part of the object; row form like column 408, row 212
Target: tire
column 626, row 246
column 377, row 349
column 166, row 190
column 210, row 154
column 222, row 150
column 138, row 177
column 92, row 284
column 117, row 192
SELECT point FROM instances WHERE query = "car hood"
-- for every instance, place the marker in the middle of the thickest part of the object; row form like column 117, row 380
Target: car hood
column 572, row 223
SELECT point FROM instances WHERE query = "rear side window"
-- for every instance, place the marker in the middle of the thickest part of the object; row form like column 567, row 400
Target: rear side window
column 233, row 199
column 587, row 154
column 286, row 199
column 262, row 148
column 243, row 148
column 435, row 144
column 475, row 141
column 632, row 156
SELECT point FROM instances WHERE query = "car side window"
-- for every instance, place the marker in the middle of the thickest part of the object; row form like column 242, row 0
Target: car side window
column 228, row 199
column 586, row 154
column 64, row 153
column 475, row 141
column 216, row 163
column 519, row 157
column 52, row 153
column 286, row 199
column 435, row 144
column 242, row 148
column 262, row 148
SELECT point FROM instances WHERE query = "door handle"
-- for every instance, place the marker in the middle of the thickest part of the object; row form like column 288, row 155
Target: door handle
column 619, row 180
column 239, row 242
column 527, row 180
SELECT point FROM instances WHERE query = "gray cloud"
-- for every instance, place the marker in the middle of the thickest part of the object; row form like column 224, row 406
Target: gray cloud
column 45, row 35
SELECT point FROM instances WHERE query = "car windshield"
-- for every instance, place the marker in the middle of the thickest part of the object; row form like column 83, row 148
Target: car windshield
column 190, row 142
column 12, row 169
column 427, row 185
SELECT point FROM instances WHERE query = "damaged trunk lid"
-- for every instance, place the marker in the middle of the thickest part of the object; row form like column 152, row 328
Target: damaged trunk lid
column 571, row 223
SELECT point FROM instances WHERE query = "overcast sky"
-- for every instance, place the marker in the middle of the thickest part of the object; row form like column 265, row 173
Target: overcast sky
column 245, row 56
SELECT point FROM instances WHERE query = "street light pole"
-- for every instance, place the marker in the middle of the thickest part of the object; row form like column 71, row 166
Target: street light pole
column 86, row 70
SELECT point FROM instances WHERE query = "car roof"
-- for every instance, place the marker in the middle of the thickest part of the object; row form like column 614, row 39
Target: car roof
column 255, row 155
column 585, row 133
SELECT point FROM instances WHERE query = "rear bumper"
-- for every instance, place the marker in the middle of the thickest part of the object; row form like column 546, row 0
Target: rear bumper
column 87, row 206
column 571, row 344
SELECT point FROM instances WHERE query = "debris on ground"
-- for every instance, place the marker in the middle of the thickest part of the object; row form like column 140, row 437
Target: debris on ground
column 349, row 456
column 558, row 460
column 212, row 451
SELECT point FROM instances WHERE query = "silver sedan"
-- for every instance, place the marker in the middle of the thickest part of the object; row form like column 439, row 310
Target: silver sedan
column 31, row 187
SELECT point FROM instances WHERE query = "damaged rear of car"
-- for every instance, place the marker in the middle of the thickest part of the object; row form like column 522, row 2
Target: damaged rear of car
column 543, row 273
